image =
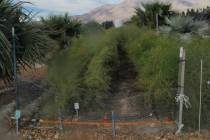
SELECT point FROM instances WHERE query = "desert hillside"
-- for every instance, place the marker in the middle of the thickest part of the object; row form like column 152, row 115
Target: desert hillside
column 125, row 10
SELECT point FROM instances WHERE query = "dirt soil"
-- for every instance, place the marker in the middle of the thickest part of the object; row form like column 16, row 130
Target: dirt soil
column 101, row 133
column 127, row 98
column 30, row 89
column 168, row 136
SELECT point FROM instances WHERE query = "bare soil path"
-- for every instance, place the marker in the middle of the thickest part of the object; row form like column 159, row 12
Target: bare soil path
column 127, row 98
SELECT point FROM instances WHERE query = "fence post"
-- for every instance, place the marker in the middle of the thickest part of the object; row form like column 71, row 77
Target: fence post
column 200, row 105
column 113, row 125
column 17, row 112
column 157, row 22
column 61, row 126
column 181, row 87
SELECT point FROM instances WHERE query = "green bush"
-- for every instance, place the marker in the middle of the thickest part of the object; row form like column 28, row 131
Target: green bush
column 65, row 74
column 195, row 50
column 155, row 57
column 83, row 73
column 98, row 77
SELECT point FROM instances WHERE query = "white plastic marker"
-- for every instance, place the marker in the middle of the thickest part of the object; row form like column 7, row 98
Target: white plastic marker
column 76, row 107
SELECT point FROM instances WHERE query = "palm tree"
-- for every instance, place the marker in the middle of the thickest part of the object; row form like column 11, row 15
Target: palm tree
column 31, row 42
column 91, row 27
column 150, row 13
column 185, row 25
column 61, row 28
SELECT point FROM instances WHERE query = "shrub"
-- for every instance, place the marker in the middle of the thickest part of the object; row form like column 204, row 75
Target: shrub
column 98, row 77
column 156, row 60
column 83, row 73
column 196, row 50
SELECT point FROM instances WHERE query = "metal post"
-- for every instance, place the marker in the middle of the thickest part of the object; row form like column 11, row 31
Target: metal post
column 15, row 78
column 113, row 125
column 157, row 22
column 65, row 40
column 181, row 87
column 61, row 127
column 77, row 113
column 200, row 105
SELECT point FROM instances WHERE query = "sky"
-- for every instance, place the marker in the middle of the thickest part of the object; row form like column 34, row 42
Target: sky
column 73, row 7
column 78, row 7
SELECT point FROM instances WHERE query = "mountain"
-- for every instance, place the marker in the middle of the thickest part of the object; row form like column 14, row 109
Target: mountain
column 125, row 10
column 121, row 12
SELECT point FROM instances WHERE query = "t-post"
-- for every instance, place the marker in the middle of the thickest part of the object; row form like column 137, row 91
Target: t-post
column 200, row 103
column 113, row 125
column 17, row 112
column 181, row 87
column 157, row 21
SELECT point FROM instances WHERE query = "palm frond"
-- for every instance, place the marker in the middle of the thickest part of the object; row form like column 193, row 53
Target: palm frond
column 147, row 13
column 31, row 43
column 5, row 58
column 61, row 28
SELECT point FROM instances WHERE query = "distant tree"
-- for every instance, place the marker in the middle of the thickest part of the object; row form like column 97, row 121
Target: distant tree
column 206, row 14
column 199, row 14
column 183, row 13
column 147, row 15
column 61, row 28
column 31, row 41
column 108, row 24
column 92, row 27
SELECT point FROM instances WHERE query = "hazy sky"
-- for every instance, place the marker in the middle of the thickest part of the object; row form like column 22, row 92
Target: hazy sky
column 77, row 7
column 73, row 7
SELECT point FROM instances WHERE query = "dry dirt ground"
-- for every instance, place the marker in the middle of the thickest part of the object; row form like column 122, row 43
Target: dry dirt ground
column 29, row 88
column 101, row 133
column 88, row 135
column 127, row 98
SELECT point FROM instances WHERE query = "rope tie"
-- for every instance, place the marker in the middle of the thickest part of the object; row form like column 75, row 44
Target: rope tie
column 184, row 98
